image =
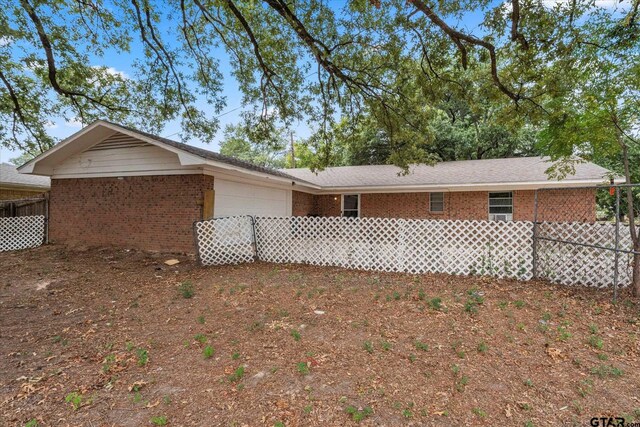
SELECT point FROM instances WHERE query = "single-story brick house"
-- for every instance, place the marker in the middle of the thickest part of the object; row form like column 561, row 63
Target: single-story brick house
column 14, row 185
column 112, row 185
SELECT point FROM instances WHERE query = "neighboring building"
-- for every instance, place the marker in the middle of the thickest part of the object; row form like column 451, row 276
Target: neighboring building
column 15, row 185
column 112, row 185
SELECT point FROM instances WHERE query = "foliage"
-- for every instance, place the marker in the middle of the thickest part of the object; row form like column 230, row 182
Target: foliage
column 237, row 374
column 208, row 352
column 76, row 399
column 392, row 81
column 143, row 356
column 159, row 420
column 186, row 289
column 264, row 148
column 358, row 415
column 302, row 368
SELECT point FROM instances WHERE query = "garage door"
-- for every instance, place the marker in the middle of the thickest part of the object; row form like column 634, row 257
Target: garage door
column 237, row 198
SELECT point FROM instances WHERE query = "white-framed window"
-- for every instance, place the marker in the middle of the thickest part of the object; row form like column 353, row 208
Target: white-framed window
column 436, row 202
column 351, row 205
column 501, row 206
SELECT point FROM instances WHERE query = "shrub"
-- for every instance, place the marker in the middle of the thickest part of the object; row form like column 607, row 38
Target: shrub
column 159, row 421
column 237, row 374
column 143, row 356
column 208, row 352
column 358, row 415
column 186, row 289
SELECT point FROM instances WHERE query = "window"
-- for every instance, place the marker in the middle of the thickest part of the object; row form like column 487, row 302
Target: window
column 436, row 202
column 501, row 206
column 351, row 205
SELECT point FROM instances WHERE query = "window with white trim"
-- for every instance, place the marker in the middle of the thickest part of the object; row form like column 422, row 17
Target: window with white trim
column 351, row 205
column 436, row 202
column 501, row 206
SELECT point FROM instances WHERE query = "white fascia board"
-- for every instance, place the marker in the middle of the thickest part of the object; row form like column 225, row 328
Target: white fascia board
column 228, row 172
column 24, row 187
column 159, row 172
column 499, row 186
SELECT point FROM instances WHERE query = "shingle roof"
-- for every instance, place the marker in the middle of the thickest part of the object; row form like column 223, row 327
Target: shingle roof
column 9, row 175
column 488, row 171
column 211, row 155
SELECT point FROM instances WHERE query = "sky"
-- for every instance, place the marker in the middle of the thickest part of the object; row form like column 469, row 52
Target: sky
column 231, row 113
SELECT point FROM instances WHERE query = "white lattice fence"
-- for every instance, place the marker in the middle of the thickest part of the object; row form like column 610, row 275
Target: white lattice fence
column 225, row 240
column 21, row 232
column 573, row 264
column 501, row 249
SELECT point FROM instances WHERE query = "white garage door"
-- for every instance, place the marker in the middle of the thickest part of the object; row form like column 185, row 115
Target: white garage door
column 237, row 198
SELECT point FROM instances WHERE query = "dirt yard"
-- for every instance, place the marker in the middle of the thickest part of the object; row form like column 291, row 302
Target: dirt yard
column 114, row 337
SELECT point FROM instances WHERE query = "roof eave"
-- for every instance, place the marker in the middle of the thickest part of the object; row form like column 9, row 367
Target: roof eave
column 497, row 186
column 23, row 187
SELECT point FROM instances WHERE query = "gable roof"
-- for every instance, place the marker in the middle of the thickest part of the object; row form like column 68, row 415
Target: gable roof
column 10, row 177
column 513, row 172
column 188, row 155
column 207, row 154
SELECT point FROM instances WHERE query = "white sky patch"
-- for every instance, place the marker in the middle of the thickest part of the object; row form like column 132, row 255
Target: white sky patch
column 618, row 5
column 74, row 123
column 5, row 41
column 114, row 72
column 604, row 4
column 51, row 125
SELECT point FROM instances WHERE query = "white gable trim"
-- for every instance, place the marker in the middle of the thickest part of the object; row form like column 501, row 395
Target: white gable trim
column 44, row 164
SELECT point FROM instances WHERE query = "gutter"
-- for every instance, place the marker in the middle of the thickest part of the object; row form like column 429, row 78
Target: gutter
column 499, row 186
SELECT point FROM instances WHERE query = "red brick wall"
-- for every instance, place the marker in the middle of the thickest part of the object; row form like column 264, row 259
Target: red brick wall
column 566, row 205
column 302, row 204
column 457, row 205
column 144, row 212
column 328, row 205
column 561, row 205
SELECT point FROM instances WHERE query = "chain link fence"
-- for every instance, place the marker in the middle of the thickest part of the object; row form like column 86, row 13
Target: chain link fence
column 597, row 251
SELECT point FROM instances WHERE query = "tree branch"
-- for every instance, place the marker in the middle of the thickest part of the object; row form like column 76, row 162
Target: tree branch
column 53, row 71
column 515, row 21
column 17, row 111
column 459, row 37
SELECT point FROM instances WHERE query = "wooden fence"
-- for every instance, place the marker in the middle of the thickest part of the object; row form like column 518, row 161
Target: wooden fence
column 23, row 207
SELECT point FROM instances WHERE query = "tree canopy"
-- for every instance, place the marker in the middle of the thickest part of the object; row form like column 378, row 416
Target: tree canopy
column 536, row 63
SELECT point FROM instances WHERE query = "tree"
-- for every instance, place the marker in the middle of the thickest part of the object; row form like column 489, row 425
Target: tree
column 240, row 142
column 462, row 125
column 308, row 60
column 601, row 119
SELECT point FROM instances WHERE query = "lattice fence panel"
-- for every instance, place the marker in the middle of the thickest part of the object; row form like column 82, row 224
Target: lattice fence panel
column 571, row 264
column 500, row 249
column 225, row 240
column 21, row 232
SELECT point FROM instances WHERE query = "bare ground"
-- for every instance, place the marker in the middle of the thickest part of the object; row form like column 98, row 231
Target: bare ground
column 111, row 332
